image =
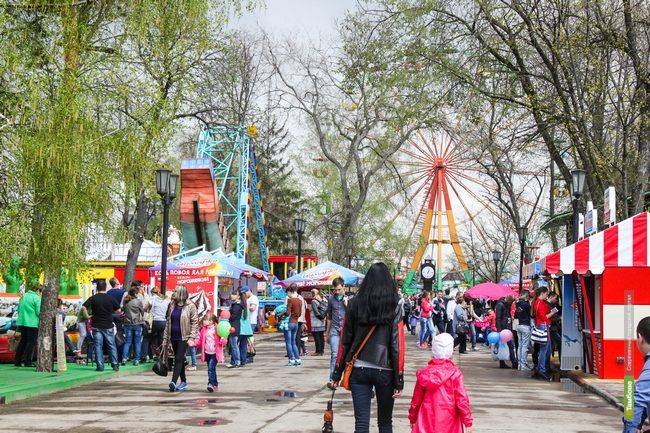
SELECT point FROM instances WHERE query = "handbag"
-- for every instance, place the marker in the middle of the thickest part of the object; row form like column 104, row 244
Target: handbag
column 538, row 335
column 345, row 379
column 161, row 365
column 462, row 328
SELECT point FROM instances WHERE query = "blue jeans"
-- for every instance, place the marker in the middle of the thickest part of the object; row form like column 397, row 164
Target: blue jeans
column 193, row 356
column 234, row 350
column 362, row 381
column 211, row 360
column 544, row 350
column 243, row 349
column 472, row 331
column 426, row 329
column 83, row 333
column 101, row 336
column 523, row 336
column 334, row 346
column 133, row 337
column 290, row 341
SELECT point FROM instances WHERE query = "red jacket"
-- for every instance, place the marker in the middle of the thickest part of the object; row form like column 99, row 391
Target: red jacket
column 425, row 308
column 440, row 403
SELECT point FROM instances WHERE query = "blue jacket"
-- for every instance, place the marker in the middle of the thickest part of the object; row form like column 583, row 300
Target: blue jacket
column 641, row 399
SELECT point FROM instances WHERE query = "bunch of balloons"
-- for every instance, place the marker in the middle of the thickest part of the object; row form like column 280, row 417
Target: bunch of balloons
column 223, row 328
column 499, row 337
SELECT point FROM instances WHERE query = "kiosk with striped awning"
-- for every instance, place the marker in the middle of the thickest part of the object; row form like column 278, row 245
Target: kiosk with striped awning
column 602, row 267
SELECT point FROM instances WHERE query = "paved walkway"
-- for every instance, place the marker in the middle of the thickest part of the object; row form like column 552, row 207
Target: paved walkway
column 267, row 397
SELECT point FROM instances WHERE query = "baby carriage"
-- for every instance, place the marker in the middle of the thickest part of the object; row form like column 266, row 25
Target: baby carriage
column 413, row 322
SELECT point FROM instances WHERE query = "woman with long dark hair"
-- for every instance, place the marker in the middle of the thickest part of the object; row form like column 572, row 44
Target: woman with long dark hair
column 376, row 312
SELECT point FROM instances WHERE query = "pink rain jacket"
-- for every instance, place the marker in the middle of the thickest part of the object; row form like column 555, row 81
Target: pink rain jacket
column 219, row 343
column 440, row 403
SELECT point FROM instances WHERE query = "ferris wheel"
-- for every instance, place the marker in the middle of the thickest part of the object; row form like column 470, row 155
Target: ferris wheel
column 444, row 187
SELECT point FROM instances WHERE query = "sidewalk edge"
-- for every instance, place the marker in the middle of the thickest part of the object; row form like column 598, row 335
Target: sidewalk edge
column 595, row 390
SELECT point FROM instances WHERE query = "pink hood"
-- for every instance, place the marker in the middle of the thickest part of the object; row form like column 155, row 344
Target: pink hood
column 440, row 403
column 432, row 378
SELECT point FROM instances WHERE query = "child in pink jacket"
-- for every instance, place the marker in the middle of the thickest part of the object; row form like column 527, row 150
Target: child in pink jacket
column 211, row 349
column 440, row 403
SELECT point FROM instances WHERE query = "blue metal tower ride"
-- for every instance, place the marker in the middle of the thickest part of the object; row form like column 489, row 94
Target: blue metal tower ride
column 232, row 152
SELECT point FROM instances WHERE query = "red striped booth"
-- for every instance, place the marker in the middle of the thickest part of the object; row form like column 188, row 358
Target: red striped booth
column 606, row 265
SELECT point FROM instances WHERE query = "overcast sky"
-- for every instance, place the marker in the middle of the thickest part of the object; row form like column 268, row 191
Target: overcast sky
column 303, row 18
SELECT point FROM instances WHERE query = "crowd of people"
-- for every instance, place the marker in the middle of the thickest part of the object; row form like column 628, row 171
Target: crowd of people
column 365, row 333
column 470, row 321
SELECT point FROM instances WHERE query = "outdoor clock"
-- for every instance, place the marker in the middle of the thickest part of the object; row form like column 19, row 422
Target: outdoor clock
column 428, row 270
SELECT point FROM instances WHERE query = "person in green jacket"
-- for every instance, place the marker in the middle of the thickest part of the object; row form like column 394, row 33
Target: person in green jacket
column 29, row 309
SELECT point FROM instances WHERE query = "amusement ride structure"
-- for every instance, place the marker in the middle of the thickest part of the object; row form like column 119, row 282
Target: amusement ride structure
column 217, row 190
column 440, row 177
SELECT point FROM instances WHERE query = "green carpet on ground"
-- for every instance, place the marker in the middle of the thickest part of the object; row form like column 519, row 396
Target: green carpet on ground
column 18, row 383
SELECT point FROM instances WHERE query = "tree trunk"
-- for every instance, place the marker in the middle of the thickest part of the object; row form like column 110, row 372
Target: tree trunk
column 49, row 299
column 644, row 153
column 141, row 220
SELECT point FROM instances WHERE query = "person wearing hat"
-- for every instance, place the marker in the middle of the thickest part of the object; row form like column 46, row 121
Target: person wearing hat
column 440, row 403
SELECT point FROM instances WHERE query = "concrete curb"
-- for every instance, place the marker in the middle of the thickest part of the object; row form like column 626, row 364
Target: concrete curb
column 595, row 390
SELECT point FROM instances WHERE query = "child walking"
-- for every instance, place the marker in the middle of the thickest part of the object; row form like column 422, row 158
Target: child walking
column 211, row 349
column 440, row 403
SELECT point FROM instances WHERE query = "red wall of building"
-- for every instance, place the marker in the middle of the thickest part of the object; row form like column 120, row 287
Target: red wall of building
column 614, row 282
column 140, row 274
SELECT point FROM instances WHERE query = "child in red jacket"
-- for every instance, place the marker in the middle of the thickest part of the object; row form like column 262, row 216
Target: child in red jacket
column 440, row 403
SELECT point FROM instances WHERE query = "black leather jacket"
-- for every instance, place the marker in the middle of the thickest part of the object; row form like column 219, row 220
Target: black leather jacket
column 385, row 347
column 504, row 320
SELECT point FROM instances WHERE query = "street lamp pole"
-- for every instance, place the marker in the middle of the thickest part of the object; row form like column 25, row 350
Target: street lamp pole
column 349, row 257
column 299, row 224
column 523, row 234
column 166, row 185
column 577, row 187
column 496, row 256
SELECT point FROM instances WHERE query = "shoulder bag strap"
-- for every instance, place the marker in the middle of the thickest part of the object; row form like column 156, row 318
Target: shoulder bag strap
column 363, row 344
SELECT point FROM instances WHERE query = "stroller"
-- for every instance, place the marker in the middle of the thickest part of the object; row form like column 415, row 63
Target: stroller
column 413, row 321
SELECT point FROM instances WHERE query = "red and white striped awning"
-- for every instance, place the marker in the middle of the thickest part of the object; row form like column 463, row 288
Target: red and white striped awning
column 625, row 244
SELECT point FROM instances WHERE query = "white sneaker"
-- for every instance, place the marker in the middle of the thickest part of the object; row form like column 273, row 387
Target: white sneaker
column 192, row 368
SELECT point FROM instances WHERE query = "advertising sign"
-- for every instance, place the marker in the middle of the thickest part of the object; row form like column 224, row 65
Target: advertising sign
column 628, row 378
column 609, row 216
column 591, row 222
column 571, row 330
column 581, row 226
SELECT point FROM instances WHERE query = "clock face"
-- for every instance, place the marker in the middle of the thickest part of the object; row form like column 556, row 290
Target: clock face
column 428, row 272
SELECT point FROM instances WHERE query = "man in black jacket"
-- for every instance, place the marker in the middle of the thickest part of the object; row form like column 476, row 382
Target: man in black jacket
column 504, row 321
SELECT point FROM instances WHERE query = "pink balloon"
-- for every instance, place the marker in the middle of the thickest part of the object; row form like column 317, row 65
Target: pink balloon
column 506, row 335
column 225, row 314
column 232, row 331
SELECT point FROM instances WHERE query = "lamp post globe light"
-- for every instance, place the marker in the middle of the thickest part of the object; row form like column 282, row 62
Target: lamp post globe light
column 496, row 256
column 299, row 224
column 523, row 234
column 166, row 187
column 577, row 188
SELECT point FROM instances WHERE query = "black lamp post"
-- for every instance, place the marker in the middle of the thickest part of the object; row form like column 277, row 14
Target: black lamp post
column 299, row 224
column 349, row 257
column 496, row 256
column 166, row 185
column 523, row 233
column 577, row 186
